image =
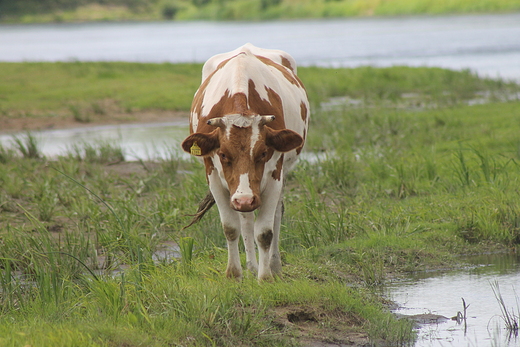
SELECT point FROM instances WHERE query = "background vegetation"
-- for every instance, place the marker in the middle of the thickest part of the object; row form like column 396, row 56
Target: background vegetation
column 408, row 169
column 88, row 10
column 97, row 90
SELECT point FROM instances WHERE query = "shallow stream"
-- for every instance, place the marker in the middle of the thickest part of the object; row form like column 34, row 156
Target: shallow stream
column 427, row 295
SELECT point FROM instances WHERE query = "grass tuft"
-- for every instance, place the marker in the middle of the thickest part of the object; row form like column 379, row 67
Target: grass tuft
column 28, row 146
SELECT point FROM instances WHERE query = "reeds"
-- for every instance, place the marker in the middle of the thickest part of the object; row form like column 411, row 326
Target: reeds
column 509, row 315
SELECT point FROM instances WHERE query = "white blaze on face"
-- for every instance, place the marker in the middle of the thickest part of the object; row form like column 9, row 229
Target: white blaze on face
column 255, row 135
column 244, row 194
column 243, row 189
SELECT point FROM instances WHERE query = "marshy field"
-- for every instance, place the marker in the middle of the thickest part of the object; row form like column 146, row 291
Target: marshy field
column 416, row 168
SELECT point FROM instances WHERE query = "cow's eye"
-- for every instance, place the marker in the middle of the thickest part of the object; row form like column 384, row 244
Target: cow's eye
column 262, row 156
column 224, row 158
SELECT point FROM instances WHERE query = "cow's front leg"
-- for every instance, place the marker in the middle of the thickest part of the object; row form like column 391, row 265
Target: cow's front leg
column 247, row 220
column 265, row 234
column 231, row 225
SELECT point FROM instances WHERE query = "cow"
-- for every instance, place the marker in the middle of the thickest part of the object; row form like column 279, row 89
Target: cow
column 248, row 124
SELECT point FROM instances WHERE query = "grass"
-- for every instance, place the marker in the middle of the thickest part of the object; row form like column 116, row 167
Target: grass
column 87, row 92
column 246, row 9
column 400, row 188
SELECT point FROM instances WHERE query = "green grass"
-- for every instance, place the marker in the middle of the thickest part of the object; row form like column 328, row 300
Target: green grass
column 77, row 89
column 411, row 179
column 88, row 91
column 30, row 12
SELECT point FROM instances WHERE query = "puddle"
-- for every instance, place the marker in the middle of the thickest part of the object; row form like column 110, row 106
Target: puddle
column 138, row 141
column 433, row 298
column 416, row 101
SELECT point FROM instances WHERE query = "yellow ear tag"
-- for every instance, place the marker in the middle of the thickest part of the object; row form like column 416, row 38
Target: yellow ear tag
column 195, row 149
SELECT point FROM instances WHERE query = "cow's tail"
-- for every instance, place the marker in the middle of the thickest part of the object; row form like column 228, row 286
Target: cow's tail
column 204, row 206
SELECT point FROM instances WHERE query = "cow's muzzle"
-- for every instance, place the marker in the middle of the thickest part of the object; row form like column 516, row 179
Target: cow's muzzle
column 245, row 203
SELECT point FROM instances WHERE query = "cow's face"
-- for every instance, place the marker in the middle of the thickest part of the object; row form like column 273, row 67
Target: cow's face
column 243, row 146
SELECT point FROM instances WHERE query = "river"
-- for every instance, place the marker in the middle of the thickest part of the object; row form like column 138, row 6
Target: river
column 486, row 44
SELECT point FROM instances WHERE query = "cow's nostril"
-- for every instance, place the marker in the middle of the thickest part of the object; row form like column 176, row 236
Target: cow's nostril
column 244, row 204
column 244, row 201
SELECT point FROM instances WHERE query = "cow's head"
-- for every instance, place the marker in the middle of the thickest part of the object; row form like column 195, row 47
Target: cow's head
column 243, row 145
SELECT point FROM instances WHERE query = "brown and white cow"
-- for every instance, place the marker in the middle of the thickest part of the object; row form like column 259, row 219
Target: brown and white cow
column 248, row 122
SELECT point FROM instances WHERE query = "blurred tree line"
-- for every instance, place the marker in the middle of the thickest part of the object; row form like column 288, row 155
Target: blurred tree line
column 42, row 6
column 167, row 8
column 68, row 10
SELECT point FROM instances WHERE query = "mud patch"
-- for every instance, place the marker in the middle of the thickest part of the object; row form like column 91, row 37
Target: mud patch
column 299, row 316
column 64, row 121
column 321, row 327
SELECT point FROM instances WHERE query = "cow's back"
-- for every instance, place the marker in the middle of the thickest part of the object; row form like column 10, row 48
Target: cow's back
column 251, row 80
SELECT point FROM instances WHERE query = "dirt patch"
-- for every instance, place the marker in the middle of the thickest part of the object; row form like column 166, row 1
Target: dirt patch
column 34, row 123
column 319, row 327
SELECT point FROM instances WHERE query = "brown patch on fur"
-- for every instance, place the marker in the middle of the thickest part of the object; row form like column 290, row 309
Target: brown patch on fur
column 265, row 239
column 230, row 232
column 208, row 163
column 286, row 63
column 277, row 173
column 287, row 73
column 303, row 111
column 259, row 106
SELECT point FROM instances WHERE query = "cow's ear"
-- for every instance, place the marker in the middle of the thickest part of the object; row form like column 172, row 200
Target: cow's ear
column 283, row 140
column 200, row 144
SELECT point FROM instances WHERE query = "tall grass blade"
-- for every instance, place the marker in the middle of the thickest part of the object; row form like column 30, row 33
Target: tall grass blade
column 510, row 318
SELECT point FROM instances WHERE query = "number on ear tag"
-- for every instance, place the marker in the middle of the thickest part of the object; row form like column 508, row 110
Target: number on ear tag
column 195, row 149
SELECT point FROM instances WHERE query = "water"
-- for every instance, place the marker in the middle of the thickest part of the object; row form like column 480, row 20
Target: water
column 440, row 293
column 138, row 141
column 487, row 44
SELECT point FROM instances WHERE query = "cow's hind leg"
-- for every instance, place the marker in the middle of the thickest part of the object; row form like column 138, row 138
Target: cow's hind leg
column 247, row 220
column 275, row 261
